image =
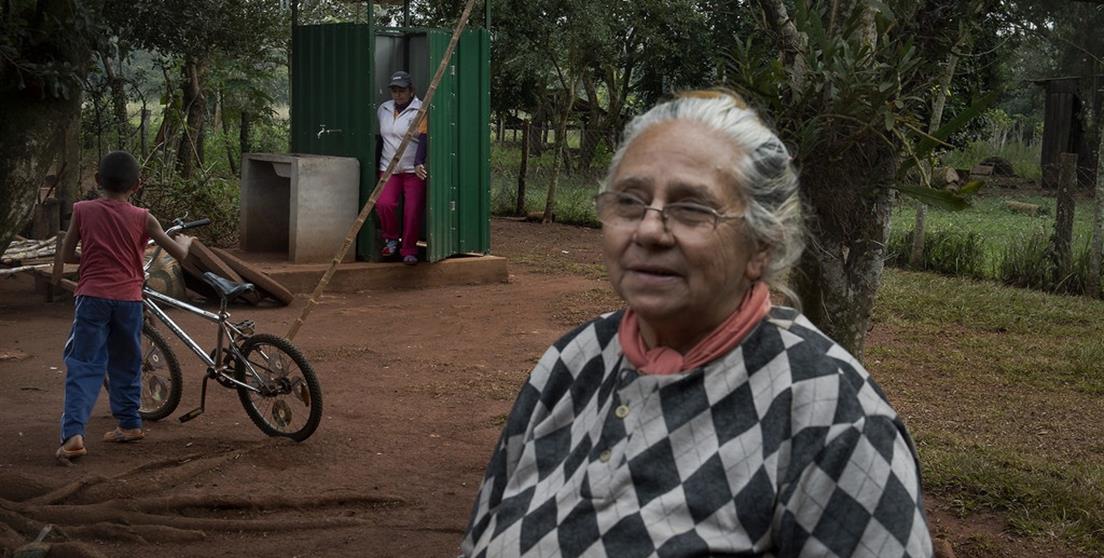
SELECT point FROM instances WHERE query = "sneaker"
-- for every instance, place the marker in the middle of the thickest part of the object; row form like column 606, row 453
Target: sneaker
column 410, row 260
column 390, row 248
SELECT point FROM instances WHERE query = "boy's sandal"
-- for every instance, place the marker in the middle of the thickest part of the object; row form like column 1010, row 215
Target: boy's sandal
column 65, row 455
column 121, row 436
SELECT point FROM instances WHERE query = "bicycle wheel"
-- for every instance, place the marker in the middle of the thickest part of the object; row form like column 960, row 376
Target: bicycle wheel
column 289, row 401
column 161, row 379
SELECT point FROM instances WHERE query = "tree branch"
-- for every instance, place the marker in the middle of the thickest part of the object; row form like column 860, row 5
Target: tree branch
column 794, row 42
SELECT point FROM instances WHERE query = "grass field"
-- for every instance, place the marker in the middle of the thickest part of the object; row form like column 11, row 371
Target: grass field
column 1001, row 388
column 996, row 226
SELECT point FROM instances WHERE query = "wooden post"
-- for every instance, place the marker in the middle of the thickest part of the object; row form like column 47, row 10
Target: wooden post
column 143, row 128
column 371, row 203
column 47, row 219
column 58, row 272
column 519, row 209
column 1063, row 225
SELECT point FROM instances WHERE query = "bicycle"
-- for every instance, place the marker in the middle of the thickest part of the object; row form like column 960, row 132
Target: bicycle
column 275, row 383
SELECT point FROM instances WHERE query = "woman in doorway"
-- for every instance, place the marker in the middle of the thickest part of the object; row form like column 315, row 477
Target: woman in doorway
column 408, row 183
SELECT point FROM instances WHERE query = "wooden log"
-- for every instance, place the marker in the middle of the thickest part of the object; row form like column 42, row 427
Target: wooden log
column 1023, row 208
column 260, row 279
column 18, row 269
column 204, row 259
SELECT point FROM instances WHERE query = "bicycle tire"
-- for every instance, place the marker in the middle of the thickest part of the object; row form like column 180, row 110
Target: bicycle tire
column 157, row 403
column 303, row 395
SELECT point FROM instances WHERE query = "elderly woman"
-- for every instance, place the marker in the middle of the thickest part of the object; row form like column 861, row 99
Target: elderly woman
column 702, row 420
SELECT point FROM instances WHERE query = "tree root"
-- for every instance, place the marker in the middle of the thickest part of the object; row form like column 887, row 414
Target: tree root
column 135, row 533
column 61, row 493
column 73, row 549
column 18, row 487
column 264, row 502
column 96, row 513
column 102, row 508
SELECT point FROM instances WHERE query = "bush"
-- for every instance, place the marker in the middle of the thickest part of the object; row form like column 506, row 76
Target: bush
column 950, row 252
column 215, row 198
column 1026, row 263
column 574, row 191
column 1030, row 264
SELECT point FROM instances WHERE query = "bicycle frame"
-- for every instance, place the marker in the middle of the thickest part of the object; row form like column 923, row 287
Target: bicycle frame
column 226, row 331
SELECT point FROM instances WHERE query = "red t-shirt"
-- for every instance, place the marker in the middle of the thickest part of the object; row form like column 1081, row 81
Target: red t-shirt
column 113, row 242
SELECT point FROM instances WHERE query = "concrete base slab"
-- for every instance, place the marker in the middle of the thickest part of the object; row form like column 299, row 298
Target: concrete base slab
column 363, row 276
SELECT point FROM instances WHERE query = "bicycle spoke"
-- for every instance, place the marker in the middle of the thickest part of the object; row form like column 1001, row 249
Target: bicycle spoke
column 286, row 400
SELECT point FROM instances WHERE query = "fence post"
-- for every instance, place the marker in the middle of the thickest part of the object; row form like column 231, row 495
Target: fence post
column 1063, row 225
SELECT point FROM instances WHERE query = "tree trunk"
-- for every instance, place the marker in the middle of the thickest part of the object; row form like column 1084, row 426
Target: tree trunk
column 794, row 42
column 118, row 103
column 245, row 131
column 519, row 209
column 499, row 127
column 592, row 132
column 1097, row 243
column 916, row 258
column 220, row 113
column 561, row 145
column 839, row 273
column 195, row 107
column 143, row 130
column 36, row 139
column 1062, row 241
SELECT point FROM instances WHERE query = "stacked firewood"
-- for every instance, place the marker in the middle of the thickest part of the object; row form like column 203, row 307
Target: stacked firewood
column 23, row 252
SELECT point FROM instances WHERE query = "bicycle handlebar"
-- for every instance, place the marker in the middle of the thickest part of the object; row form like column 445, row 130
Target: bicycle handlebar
column 197, row 223
column 179, row 225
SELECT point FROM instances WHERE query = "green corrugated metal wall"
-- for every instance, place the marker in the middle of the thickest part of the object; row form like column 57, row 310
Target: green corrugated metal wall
column 459, row 142
column 332, row 85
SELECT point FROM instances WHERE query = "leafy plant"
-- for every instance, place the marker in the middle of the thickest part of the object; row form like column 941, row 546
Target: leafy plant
column 950, row 252
column 215, row 198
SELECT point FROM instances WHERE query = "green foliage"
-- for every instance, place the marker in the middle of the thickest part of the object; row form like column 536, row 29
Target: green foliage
column 213, row 197
column 1029, row 263
column 574, row 202
column 1025, row 263
column 46, row 47
column 200, row 28
column 949, row 251
column 1010, row 248
column 1024, row 157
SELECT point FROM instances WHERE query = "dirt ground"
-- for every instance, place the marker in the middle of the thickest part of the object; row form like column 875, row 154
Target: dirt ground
column 416, row 386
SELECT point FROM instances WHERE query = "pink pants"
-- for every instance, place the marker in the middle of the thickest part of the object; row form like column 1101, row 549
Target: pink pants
column 413, row 191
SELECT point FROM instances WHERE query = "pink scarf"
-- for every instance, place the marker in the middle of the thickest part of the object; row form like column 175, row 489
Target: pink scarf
column 663, row 360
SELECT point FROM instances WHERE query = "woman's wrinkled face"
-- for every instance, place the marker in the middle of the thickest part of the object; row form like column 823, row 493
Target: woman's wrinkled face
column 691, row 281
column 402, row 95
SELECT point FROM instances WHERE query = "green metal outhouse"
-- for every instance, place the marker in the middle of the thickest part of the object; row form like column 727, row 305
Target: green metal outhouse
column 339, row 76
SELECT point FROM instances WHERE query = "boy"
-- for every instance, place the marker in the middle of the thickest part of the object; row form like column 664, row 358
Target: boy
column 107, row 322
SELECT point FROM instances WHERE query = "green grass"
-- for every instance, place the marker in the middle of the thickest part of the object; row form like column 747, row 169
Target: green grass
column 1024, row 158
column 1001, row 390
column 575, row 191
column 995, row 226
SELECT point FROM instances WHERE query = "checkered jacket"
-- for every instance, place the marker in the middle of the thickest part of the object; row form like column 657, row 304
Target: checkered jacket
column 784, row 447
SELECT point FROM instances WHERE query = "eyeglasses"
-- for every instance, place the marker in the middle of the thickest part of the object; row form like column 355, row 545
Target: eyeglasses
column 622, row 210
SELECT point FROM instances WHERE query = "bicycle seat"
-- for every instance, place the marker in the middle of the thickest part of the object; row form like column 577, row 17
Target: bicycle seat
column 227, row 288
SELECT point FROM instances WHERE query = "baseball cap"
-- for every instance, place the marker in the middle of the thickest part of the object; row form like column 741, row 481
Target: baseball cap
column 400, row 79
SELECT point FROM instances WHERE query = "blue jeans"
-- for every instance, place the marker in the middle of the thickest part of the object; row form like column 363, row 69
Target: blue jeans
column 106, row 337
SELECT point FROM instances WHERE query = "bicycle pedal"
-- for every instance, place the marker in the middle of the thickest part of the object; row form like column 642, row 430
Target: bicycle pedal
column 191, row 414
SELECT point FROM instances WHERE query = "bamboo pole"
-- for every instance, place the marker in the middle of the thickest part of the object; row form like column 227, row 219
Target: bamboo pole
column 371, row 203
